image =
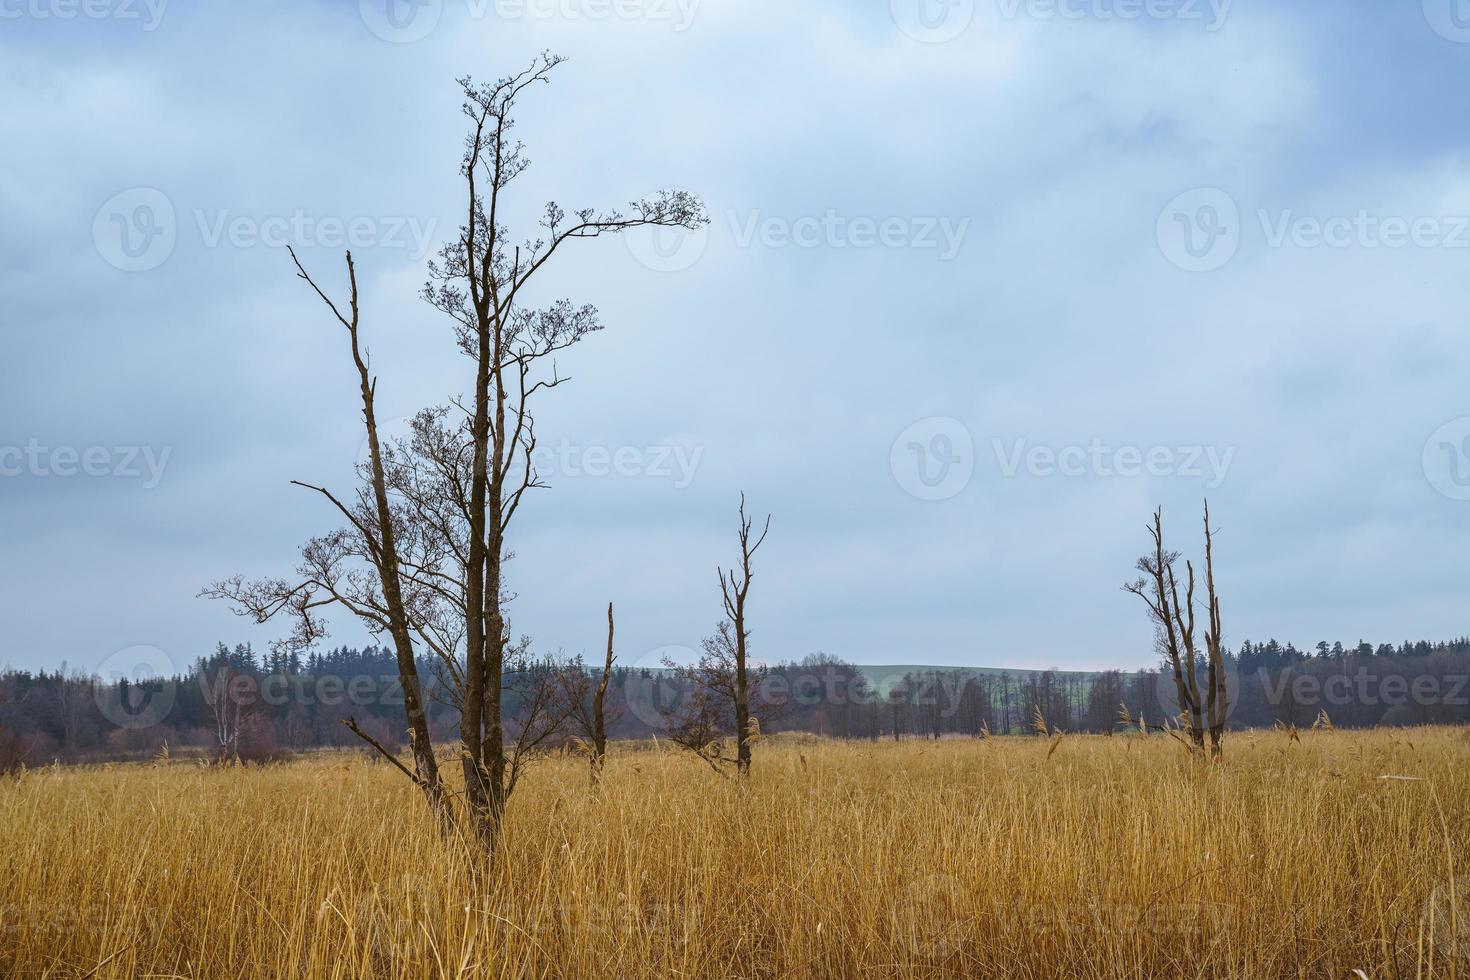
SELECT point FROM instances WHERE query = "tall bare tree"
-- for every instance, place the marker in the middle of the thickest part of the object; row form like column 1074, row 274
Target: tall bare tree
column 734, row 588
column 1204, row 712
column 721, row 681
column 433, row 518
column 478, row 282
column 1218, row 702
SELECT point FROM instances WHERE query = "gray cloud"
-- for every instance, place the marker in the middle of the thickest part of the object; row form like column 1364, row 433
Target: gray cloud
column 790, row 348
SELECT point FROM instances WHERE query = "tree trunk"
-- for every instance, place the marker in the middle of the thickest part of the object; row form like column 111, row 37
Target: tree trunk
column 742, row 696
column 599, row 724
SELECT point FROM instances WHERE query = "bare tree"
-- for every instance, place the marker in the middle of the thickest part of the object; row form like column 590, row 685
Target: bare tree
column 585, row 704
column 734, row 588
column 225, row 708
column 432, row 519
column 478, row 282
column 358, row 568
column 1218, row 701
column 599, row 704
column 534, row 715
column 720, row 683
column 1204, row 712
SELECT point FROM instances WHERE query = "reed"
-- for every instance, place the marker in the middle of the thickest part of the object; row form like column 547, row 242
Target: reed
column 997, row 857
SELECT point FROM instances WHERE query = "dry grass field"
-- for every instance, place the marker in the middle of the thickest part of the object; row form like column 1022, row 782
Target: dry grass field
column 1332, row 856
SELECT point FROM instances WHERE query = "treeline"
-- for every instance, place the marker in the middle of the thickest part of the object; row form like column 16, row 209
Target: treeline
column 236, row 702
column 232, row 700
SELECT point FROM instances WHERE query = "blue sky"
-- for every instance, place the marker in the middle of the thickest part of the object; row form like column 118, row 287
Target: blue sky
column 985, row 282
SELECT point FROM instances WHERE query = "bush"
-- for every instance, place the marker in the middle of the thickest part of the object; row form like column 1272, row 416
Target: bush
column 14, row 752
column 257, row 741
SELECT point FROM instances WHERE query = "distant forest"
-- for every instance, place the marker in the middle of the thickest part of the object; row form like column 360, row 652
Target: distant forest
column 238, row 702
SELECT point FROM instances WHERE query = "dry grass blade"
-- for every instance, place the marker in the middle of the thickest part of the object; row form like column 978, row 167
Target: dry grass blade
column 1039, row 725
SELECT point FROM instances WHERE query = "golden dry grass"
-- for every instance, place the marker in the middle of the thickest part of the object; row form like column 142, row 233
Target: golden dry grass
column 1112, row 857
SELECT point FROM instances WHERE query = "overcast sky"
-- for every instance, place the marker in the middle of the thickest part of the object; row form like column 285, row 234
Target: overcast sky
column 986, row 281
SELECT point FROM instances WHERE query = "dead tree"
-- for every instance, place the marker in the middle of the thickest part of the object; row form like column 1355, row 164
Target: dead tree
column 734, row 587
column 447, row 495
column 359, row 568
column 534, row 718
column 1218, row 702
column 599, row 704
column 720, row 684
column 1203, row 712
column 586, row 704
column 478, row 281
